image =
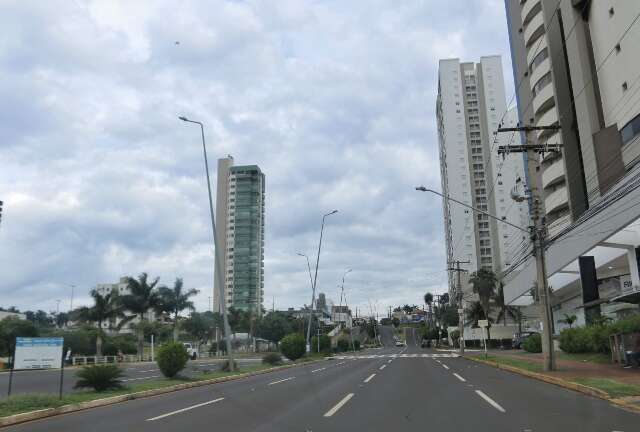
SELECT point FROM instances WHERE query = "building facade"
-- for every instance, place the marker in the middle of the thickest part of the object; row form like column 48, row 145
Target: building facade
column 240, row 214
column 576, row 66
column 470, row 107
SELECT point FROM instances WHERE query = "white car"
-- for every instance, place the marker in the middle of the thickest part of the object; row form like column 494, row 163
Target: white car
column 399, row 343
column 191, row 350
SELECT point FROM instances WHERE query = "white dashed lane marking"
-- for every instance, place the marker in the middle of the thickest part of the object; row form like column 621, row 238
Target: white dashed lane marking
column 184, row 409
column 339, row 405
column 369, row 378
column 281, row 381
column 459, row 377
column 490, row 401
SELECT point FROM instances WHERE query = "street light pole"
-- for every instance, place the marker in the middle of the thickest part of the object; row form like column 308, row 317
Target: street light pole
column 315, row 280
column 313, row 294
column 217, row 264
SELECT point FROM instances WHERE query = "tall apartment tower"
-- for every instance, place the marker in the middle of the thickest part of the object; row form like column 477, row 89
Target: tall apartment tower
column 576, row 65
column 470, row 106
column 240, row 234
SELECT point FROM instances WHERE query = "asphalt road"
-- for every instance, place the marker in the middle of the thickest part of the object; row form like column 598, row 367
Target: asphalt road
column 47, row 381
column 394, row 389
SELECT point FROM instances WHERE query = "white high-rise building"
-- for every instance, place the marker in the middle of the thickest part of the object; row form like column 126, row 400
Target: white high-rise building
column 471, row 105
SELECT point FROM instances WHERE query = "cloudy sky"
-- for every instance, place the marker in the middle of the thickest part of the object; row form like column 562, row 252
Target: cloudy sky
column 334, row 100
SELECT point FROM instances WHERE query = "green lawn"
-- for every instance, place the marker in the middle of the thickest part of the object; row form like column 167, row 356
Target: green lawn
column 612, row 387
column 522, row 364
column 586, row 357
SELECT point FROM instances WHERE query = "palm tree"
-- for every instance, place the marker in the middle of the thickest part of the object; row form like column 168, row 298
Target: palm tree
column 175, row 300
column 484, row 284
column 474, row 313
column 503, row 309
column 569, row 320
column 105, row 308
column 142, row 298
column 428, row 299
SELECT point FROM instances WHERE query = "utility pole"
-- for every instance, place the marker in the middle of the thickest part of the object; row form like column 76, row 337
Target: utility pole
column 538, row 230
column 459, row 296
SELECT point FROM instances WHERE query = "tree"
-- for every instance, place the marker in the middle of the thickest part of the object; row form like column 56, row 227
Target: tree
column 105, row 307
column 569, row 320
column 172, row 358
column 474, row 313
column 444, row 299
column 484, row 284
column 62, row 319
column 503, row 309
column 273, row 327
column 449, row 315
column 293, row 346
column 13, row 327
column 407, row 309
column 141, row 299
column 175, row 300
column 428, row 299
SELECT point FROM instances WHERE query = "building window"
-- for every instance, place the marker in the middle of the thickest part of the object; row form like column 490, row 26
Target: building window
column 542, row 83
column 630, row 130
column 539, row 58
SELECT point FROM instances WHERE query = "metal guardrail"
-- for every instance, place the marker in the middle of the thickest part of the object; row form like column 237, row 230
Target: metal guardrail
column 90, row 360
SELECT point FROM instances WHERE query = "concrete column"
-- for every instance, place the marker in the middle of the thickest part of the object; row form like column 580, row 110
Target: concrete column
column 632, row 259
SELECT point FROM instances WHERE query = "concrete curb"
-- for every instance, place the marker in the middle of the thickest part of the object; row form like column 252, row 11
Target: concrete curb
column 561, row 383
column 81, row 406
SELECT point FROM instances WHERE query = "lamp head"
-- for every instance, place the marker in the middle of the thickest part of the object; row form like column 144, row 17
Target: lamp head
column 183, row 118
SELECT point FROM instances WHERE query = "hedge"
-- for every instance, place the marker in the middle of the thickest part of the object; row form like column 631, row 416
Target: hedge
column 595, row 338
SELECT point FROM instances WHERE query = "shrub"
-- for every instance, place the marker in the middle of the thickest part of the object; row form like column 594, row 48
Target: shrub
column 356, row 344
column 533, row 344
column 172, row 358
column 272, row 359
column 226, row 366
column 293, row 346
column 343, row 345
column 325, row 343
column 99, row 377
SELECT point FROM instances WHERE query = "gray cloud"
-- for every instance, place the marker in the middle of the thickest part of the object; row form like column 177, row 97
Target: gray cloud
column 334, row 100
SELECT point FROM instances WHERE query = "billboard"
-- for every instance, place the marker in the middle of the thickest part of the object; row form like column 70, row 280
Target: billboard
column 38, row 353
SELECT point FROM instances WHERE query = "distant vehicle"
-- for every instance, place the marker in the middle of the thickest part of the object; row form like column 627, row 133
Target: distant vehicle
column 399, row 343
column 191, row 350
column 426, row 343
column 518, row 339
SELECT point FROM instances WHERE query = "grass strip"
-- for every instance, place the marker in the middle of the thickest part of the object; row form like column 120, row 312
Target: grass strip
column 612, row 387
column 518, row 363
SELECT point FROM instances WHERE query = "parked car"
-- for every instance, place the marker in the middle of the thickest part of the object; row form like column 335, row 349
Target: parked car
column 426, row 343
column 191, row 350
column 400, row 343
column 518, row 339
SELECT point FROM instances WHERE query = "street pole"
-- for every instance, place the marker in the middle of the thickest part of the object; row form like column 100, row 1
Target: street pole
column 71, row 302
column 315, row 279
column 538, row 231
column 313, row 295
column 459, row 297
column 217, row 263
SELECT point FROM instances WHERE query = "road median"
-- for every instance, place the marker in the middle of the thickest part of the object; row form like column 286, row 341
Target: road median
column 110, row 400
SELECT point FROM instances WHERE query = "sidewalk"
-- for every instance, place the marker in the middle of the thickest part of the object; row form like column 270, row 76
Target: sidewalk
column 619, row 384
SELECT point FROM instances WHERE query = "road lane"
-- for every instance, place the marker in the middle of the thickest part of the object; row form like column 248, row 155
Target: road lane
column 248, row 402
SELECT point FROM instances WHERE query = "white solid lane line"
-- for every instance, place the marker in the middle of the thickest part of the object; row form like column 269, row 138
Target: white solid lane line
column 445, row 366
column 370, row 378
column 491, row 401
column 459, row 377
column 390, row 361
column 339, row 405
column 184, row 409
column 280, row 381
column 383, row 366
column 318, row 370
column 150, row 370
column 341, row 363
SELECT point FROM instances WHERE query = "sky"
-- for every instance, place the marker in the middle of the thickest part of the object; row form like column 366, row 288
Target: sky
column 334, row 100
